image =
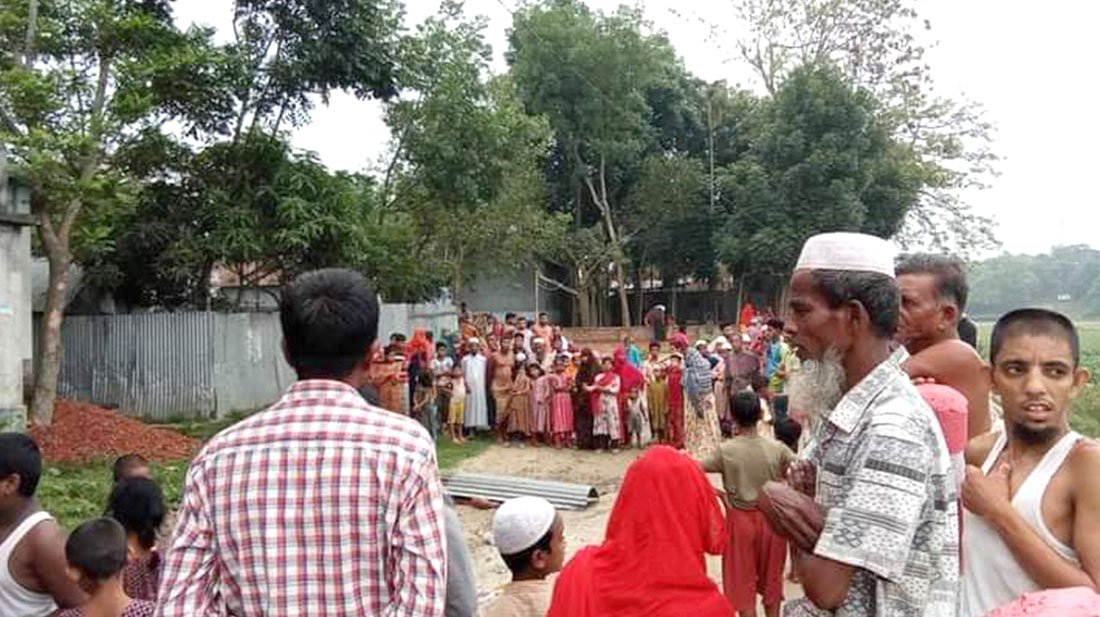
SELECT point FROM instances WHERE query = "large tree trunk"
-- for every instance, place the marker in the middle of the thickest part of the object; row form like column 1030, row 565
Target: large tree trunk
column 600, row 198
column 49, row 361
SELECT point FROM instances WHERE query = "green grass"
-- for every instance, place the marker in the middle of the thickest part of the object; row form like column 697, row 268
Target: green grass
column 76, row 493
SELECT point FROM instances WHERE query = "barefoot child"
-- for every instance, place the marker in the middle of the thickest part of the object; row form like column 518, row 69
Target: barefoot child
column 530, row 536
column 457, row 414
column 561, row 407
column 638, row 419
column 424, row 404
column 607, row 426
column 675, row 420
column 656, row 388
column 519, row 405
column 542, row 393
column 96, row 552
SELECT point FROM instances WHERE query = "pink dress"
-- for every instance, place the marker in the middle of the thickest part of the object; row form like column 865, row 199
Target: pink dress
column 541, row 394
column 561, row 409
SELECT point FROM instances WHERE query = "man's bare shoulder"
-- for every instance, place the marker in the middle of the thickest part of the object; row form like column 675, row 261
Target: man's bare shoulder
column 951, row 355
column 1084, row 463
column 979, row 448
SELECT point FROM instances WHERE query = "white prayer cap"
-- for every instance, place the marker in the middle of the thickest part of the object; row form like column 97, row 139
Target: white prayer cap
column 520, row 523
column 725, row 346
column 851, row 252
column 520, row 357
column 473, row 340
column 700, row 343
column 538, row 339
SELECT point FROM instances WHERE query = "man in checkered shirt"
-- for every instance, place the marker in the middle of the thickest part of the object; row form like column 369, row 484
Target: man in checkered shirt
column 873, row 511
column 322, row 504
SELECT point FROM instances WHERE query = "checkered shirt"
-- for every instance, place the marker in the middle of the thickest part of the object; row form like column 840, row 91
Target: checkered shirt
column 320, row 505
column 886, row 482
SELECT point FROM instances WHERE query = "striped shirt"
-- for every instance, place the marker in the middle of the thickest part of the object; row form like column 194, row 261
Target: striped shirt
column 321, row 505
column 885, row 480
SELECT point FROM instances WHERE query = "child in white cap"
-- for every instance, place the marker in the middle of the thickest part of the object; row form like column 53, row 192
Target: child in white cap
column 530, row 536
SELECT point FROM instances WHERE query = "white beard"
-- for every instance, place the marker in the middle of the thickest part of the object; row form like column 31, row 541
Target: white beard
column 818, row 385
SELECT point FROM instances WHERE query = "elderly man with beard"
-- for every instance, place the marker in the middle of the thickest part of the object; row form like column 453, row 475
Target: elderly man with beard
column 933, row 297
column 873, row 508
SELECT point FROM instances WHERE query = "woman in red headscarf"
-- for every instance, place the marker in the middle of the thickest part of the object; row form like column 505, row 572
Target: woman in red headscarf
column 651, row 563
column 630, row 378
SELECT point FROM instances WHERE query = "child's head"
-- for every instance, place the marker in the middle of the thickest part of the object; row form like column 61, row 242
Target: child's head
column 534, row 370
column 96, row 552
column 131, row 466
column 530, row 536
column 138, row 505
column 634, row 393
column 607, row 364
column 424, row 380
column 654, row 349
column 675, row 360
column 441, row 350
column 789, row 432
column 746, row 409
column 559, row 364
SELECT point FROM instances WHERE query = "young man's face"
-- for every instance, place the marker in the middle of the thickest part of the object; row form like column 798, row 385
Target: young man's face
column 440, row 352
column 521, row 323
column 654, row 350
column 1037, row 381
column 543, row 319
column 730, row 332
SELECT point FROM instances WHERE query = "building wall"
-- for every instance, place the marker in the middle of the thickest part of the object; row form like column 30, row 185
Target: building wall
column 15, row 323
column 516, row 294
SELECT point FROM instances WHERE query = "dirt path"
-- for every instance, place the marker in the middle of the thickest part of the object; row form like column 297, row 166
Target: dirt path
column 601, row 470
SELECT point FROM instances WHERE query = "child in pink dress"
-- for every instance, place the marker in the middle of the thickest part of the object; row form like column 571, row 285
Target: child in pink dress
column 561, row 408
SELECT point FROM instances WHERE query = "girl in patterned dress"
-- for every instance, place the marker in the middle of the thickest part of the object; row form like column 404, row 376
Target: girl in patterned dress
column 519, row 405
column 541, row 392
column 561, row 408
column 607, row 426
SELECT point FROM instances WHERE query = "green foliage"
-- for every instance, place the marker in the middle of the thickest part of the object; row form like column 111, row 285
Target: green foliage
column 1067, row 279
column 820, row 161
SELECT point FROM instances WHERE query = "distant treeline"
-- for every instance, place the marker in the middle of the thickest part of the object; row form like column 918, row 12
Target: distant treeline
column 1067, row 279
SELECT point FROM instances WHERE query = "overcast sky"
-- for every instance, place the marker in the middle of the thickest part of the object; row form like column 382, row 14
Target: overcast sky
column 1033, row 66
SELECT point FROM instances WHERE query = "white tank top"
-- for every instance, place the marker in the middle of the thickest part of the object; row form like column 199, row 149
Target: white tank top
column 998, row 579
column 15, row 600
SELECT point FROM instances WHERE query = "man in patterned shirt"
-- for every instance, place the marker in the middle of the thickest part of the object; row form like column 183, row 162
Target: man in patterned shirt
column 322, row 504
column 873, row 510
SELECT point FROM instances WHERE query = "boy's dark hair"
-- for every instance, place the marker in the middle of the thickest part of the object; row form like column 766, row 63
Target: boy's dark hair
column 20, row 455
column 520, row 562
column 97, row 549
column 329, row 319
column 441, row 345
column 654, row 344
column 949, row 272
column 746, row 409
column 878, row 293
column 789, row 432
column 424, row 379
column 127, row 463
column 758, row 383
column 138, row 505
column 1034, row 322
column 508, row 316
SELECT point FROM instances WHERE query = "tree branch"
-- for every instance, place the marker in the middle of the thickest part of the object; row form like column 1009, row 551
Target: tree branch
column 29, row 54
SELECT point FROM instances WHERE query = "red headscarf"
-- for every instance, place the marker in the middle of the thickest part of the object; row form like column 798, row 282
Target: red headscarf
column 651, row 562
column 420, row 344
column 630, row 377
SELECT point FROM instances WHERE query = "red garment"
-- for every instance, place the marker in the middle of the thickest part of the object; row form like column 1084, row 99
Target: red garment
column 652, row 560
column 675, row 407
column 747, row 313
column 630, row 378
column 420, row 345
column 754, row 560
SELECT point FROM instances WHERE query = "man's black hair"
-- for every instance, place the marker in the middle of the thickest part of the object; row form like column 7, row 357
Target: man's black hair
column 440, row 345
column 789, row 432
column 97, row 549
column 20, row 455
column 968, row 331
column 127, row 463
column 775, row 324
column 520, row 562
column 949, row 273
column 745, row 407
column 329, row 320
column 508, row 316
column 1034, row 322
column 138, row 505
column 878, row 293
column 654, row 344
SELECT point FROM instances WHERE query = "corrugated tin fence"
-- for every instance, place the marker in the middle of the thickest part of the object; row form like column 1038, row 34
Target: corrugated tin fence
column 164, row 365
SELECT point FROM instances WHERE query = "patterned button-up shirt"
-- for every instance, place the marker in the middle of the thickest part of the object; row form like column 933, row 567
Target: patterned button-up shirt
column 320, row 505
column 884, row 478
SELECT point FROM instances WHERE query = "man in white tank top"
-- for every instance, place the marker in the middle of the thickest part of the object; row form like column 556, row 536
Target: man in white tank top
column 33, row 578
column 1032, row 494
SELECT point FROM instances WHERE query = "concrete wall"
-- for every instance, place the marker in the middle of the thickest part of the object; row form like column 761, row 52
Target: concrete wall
column 515, row 294
column 15, row 323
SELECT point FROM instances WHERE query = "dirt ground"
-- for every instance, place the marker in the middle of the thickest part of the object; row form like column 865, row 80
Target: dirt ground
column 601, row 470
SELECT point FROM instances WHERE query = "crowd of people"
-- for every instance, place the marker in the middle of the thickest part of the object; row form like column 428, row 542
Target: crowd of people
column 527, row 383
column 927, row 482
